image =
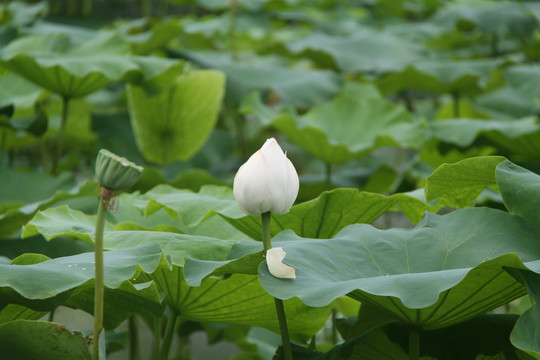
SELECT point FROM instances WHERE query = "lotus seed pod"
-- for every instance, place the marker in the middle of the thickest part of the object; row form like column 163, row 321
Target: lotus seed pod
column 115, row 172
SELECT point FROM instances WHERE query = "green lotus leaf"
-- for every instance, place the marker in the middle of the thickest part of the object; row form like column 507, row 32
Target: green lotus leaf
column 463, row 77
column 14, row 306
column 507, row 102
column 524, row 79
column 18, row 312
column 25, row 339
column 365, row 51
column 22, row 208
column 523, row 336
column 72, row 70
column 146, row 35
column 459, row 184
column 373, row 345
column 63, row 221
column 52, row 277
column 485, row 337
column 463, row 132
column 326, row 215
column 322, row 217
column 120, row 303
column 520, row 190
column 238, row 299
column 20, row 93
column 175, row 124
column 345, row 128
column 298, row 87
column 498, row 17
column 444, row 271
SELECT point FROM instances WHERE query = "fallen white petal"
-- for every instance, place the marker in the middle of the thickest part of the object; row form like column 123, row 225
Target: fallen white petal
column 274, row 260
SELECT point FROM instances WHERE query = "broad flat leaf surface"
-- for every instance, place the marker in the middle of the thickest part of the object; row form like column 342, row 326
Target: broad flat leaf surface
column 52, row 277
column 63, row 221
column 459, row 184
column 72, row 69
column 365, row 51
column 520, row 189
column 464, row 77
column 484, row 337
column 190, row 208
column 12, row 220
column 25, row 339
column 20, row 92
column 331, row 211
column 524, row 335
column 506, row 102
column 120, row 303
column 27, row 187
column 19, row 312
column 10, row 297
column 174, row 124
column 348, row 126
column 322, row 217
column 495, row 17
column 374, row 345
column 463, row 132
column 446, row 270
column 238, row 299
column 298, row 87
column 524, row 79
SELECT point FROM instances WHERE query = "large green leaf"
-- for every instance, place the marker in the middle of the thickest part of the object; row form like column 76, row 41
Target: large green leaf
column 20, row 92
column 463, row 77
column 18, row 312
column 14, row 306
column 524, row 336
column 524, row 79
column 483, row 337
column 190, row 208
column 446, row 270
column 365, row 51
column 374, row 345
column 322, row 217
column 520, row 189
column 495, row 17
column 463, row 132
column 326, row 215
column 146, row 35
column 507, row 102
column 73, row 70
column 20, row 188
column 174, row 124
column 120, row 303
column 298, row 87
column 346, row 127
column 25, row 339
column 238, row 299
column 63, row 221
column 459, row 184
column 13, row 218
column 52, row 277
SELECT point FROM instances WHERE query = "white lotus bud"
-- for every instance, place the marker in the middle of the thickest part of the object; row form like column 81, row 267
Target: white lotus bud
column 266, row 182
column 274, row 260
